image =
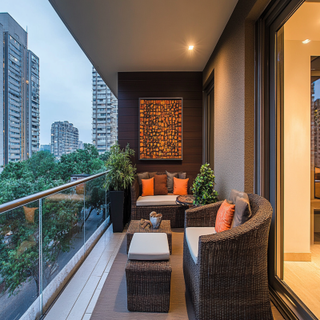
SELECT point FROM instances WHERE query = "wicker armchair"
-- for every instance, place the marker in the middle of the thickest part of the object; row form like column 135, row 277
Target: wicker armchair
column 230, row 279
column 173, row 213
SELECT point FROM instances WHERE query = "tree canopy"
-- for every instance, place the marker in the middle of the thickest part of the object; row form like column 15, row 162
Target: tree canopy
column 42, row 171
column 19, row 228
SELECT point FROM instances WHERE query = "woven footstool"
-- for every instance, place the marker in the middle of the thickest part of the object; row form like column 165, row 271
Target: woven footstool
column 148, row 273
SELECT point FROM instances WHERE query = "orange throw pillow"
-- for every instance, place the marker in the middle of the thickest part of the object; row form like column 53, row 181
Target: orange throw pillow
column 147, row 187
column 224, row 216
column 180, row 186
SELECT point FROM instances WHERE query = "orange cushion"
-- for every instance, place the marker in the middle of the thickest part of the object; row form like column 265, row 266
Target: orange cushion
column 147, row 187
column 224, row 216
column 180, row 186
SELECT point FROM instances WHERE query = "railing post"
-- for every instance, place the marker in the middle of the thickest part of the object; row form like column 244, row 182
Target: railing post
column 40, row 258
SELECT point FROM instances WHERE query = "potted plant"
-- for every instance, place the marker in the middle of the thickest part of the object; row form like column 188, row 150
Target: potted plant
column 203, row 186
column 119, row 178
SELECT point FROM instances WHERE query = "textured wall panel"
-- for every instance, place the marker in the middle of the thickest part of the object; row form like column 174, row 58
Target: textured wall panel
column 188, row 85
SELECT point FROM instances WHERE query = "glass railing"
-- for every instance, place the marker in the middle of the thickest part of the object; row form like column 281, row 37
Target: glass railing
column 44, row 238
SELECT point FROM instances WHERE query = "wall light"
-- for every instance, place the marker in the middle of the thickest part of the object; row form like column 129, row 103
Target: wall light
column 306, row 41
column 191, row 47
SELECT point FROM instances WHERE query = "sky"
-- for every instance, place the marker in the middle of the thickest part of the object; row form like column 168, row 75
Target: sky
column 65, row 71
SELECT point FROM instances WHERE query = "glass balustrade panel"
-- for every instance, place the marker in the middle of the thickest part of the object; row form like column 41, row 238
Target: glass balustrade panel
column 19, row 260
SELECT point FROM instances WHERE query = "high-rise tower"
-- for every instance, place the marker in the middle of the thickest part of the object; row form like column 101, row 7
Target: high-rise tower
column 19, row 94
column 64, row 138
column 104, row 114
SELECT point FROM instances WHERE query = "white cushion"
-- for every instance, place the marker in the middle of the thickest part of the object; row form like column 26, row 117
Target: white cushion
column 192, row 237
column 159, row 200
column 149, row 246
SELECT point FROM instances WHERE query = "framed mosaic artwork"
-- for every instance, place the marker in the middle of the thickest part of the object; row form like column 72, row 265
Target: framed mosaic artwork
column 160, row 133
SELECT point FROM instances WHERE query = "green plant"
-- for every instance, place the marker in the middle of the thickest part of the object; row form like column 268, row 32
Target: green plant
column 203, row 186
column 121, row 172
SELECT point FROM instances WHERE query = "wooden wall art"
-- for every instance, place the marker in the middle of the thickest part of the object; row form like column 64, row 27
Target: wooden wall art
column 160, row 129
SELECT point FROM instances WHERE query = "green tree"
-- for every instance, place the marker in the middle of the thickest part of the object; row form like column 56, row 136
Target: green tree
column 16, row 170
column 80, row 161
column 42, row 164
column 61, row 218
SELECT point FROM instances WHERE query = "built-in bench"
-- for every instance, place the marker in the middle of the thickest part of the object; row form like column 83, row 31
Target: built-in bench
column 164, row 204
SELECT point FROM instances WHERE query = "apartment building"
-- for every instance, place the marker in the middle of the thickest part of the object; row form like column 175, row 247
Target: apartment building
column 64, row 138
column 19, row 94
column 104, row 114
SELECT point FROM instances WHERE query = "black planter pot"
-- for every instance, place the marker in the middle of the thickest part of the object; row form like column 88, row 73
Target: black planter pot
column 116, row 210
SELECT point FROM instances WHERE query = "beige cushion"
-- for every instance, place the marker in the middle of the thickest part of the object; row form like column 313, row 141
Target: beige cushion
column 157, row 200
column 149, row 246
column 192, row 237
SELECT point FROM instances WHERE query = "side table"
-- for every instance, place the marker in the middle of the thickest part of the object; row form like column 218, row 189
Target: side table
column 186, row 200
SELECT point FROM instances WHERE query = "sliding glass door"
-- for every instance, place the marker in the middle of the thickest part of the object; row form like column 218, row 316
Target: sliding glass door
column 289, row 74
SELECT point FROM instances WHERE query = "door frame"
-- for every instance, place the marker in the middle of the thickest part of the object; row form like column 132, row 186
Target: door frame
column 206, row 121
column 268, row 151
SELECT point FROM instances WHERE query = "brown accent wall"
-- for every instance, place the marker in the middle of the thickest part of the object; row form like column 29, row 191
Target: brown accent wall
column 188, row 85
column 231, row 65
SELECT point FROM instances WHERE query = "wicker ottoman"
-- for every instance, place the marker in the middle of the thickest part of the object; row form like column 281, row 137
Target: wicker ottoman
column 148, row 281
column 148, row 285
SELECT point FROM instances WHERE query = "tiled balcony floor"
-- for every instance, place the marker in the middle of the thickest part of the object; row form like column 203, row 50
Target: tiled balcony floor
column 79, row 298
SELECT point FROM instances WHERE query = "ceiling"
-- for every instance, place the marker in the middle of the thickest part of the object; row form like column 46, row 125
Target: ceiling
column 145, row 35
column 304, row 23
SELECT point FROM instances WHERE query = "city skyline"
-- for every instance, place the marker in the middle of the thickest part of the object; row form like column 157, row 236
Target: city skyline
column 66, row 73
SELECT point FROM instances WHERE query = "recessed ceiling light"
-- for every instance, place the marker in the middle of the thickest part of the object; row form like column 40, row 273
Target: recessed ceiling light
column 191, row 47
column 306, row 41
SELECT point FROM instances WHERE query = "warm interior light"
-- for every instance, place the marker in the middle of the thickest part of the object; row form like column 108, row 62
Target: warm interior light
column 306, row 41
column 191, row 47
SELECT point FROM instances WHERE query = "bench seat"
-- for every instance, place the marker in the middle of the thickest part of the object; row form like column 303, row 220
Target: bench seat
column 158, row 200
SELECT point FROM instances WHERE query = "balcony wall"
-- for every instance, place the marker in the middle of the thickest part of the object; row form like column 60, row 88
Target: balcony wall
column 231, row 65
column 188, row 85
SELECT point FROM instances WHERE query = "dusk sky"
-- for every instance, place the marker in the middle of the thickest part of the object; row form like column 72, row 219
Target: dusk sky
column 65, row 71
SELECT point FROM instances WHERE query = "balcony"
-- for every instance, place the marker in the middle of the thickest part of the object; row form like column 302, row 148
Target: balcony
column 65, row 233
column 80, row 297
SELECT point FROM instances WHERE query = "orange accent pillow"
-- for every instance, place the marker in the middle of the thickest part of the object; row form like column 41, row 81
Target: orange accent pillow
column 147, row 187
column 224, row 216
column 180, row 186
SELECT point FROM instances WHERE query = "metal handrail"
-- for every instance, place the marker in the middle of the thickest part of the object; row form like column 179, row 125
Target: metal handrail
column 19, row 202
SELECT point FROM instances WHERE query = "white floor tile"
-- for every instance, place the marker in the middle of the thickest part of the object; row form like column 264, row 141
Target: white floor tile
column 84, row 299
column 102, row 281
column 87, row 316
column 79, row 298
column 93, row 301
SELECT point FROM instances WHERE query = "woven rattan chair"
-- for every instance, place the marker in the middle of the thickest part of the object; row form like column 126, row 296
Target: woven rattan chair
column 173, row 213
column 229, row 280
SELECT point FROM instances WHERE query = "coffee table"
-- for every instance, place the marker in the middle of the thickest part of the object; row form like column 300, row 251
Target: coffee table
column 165, row 227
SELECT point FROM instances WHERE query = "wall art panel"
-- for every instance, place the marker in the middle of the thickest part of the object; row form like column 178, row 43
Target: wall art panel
column 160, row 133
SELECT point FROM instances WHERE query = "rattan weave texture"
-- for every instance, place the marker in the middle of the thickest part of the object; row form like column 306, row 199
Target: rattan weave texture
column 230, row 280
column 148, row 286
